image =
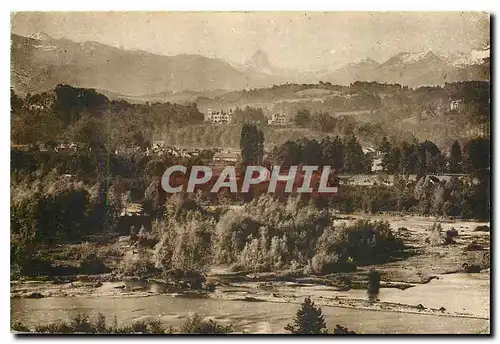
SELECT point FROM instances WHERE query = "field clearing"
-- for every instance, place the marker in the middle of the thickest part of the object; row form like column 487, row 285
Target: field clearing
column 207, row 136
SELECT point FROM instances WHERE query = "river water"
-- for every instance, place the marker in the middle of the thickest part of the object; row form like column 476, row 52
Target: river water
column 459, row 293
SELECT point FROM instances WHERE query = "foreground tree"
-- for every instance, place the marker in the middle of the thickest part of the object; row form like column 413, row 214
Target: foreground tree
column 251, row 144
column 308, row 320
column 477, row 155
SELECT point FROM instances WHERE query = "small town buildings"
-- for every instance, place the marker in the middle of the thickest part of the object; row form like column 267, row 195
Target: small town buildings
column 157, row 145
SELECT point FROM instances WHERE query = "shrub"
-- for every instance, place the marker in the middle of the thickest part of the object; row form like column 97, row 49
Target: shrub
column 100, row 324
column 324, row 264
column 451, row 233
column 54, row 328
column 474, row 246
column 482, row 229
column 81, row 324
column 156, row 327
column 28, row 259
column 185, row 245
column 92, row 264
column 18, row 327
column 403, row 232
column 136, row 264
column 481, row 259
column 196, row 325
column 362, row 243
column 189, row 279
column 342, row 330
column 373, row 284
column 140, row 327
column 437, row 237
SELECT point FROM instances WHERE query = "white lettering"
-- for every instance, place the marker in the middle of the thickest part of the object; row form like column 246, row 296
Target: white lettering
column 193, row 177
column 165, row 179
column 221, row 182
column 289, row 178
column 323, row 182
column 250, row 180
column 305, row 188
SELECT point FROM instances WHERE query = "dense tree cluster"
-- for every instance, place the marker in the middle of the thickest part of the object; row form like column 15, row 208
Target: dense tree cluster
column 342, row 155
column 302, row 118
column 89, row 118
column 425, row 157
column 249, row 115
column 420, row 158
column 270, row 235
column 466, row 197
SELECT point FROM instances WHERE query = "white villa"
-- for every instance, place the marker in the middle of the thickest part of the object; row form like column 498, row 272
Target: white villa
column 277, row 119
column 220, row 117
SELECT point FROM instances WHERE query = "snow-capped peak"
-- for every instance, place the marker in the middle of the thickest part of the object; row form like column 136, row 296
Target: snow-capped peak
column 473, row 57
column 405, row 58
column 415, row 57
column 41, row 36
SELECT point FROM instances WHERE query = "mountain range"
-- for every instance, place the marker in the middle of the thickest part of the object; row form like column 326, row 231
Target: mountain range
column 39, row 62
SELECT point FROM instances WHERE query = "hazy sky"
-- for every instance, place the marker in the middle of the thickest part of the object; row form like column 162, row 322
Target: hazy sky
column 291, row 39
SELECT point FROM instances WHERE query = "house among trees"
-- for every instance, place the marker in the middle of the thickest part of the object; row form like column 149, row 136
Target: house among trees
column 158, row 145
column 42, row 147
column 377, row 165
column 226, row 157
column 457, row 105
column 220, row 117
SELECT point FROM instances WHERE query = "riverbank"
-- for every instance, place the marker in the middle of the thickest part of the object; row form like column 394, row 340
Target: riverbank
column 427, row 282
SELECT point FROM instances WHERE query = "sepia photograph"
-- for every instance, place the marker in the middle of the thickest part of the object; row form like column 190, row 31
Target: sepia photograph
column 250, row 172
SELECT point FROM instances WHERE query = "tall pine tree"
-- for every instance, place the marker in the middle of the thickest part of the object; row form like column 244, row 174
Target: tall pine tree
column 251, row 144
column 456, row 158
column 354, row 158
column 308, row 320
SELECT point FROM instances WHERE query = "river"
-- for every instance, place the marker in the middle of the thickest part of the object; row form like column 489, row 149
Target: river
column 459, row 292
